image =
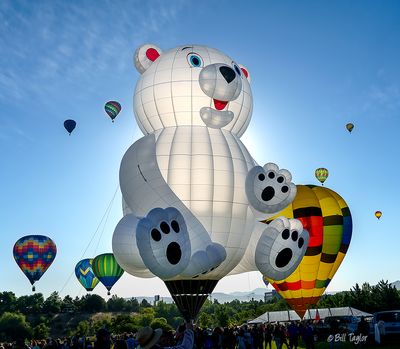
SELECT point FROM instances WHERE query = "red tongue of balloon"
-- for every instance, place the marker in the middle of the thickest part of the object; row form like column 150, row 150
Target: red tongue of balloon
column 219, row 105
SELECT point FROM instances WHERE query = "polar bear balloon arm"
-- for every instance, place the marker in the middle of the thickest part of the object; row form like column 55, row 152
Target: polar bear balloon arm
column 278, row 248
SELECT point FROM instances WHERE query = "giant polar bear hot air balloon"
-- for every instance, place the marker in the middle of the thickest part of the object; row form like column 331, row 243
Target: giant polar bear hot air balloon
column 192, row 194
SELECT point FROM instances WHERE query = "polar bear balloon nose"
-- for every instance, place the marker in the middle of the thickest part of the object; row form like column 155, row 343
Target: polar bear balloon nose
column 220, row 82
column 228, row 73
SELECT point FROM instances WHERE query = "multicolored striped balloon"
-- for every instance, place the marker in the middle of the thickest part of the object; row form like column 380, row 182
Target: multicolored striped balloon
column 112, row 108
column 34, row 255
column 107, row 270
column 85, row 275
column 321, row 174
column 326, row 216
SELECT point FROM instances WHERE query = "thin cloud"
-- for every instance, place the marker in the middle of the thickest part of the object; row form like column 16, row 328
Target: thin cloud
column 383, row 100
column 52, row 44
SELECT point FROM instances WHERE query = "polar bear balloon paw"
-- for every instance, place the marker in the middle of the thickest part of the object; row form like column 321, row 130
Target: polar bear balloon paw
column 163, row 242
column 281, row 248
column 205, row 261
column 269, row 189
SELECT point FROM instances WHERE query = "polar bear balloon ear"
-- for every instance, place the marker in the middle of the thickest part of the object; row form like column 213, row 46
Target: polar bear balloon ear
column 145, row 55
column 245, row 72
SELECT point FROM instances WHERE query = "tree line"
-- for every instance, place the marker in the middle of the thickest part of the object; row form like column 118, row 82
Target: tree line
column 32, row 316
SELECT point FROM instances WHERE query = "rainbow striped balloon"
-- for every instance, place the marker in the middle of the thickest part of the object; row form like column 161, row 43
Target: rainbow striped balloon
column 34, row 255
column 107, row 270
column 326, row 216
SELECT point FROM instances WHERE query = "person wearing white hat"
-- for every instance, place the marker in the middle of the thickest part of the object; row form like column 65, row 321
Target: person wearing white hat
column 148, row 338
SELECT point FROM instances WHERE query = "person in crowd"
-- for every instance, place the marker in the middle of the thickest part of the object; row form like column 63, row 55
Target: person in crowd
column 293, row 333
column 20, row 344
column 241, row 340
column 149, row 338
column 131, row 341
column 268, row 336
column 308, row 336
column 103, row 339
column 120, row 344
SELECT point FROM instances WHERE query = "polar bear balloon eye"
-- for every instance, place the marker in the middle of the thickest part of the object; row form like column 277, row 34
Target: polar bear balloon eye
column 195, row 60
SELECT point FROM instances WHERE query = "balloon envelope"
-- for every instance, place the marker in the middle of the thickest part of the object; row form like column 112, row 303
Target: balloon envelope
column 326, row 216
column 34, row 255
column 85, row 275
column 378, row 214
column 69, row 125
column 107, row 270
column 321, row 174
column 350, row 127
column 112, row 108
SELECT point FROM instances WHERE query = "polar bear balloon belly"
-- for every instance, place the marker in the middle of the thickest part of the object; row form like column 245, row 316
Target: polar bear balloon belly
column 193, row 196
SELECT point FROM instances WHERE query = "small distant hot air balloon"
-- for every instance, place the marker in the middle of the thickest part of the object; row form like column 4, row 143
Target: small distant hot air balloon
column 107, row 270
column 378, row 214
column 266, row 282
column 85, row 275
column 112, row 108
column 34, row 255
column 321, row 174
column 327, row 218
column 69, row 125
column 350, row 127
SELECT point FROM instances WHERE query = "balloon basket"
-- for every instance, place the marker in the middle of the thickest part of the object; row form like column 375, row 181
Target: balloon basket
column 108, row 293
column 190, row 295
column 33, row 288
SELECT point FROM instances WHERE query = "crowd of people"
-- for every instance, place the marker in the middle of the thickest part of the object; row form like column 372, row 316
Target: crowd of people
column 186, row 337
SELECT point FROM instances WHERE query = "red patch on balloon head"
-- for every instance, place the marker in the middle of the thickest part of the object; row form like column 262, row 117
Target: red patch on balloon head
column 245, row 72
column 152, row 54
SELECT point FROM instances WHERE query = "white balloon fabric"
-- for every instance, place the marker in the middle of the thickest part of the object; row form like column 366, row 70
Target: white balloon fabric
column 193, row 103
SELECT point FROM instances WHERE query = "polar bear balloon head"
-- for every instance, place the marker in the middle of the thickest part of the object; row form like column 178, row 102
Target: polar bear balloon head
column 191, row 85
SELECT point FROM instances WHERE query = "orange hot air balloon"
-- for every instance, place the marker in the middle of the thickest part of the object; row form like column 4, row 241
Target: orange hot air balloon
column 326, row 216
column 378, row 214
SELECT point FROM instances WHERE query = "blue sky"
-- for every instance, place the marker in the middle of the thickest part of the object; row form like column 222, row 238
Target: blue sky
column 314, row 65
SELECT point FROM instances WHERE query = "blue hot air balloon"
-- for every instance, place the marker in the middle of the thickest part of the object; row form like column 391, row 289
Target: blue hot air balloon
column 69, row 125
column 85, row 275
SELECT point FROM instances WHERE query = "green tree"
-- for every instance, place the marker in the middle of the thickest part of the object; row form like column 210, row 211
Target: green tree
column 83, row 328
column 93, row 303
column 160, row 322
column 41, row 331
column 68, row 304
column 123, row 323
column 103, row 321
column 145, row 304
column 30, row 304
column 145, row 317
column 52, row 305
column 167, row 311
column 222, row 315
column 13, row 326
column 205, row 320
column 132, row 305
column 8, row 302
column 116, row 303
